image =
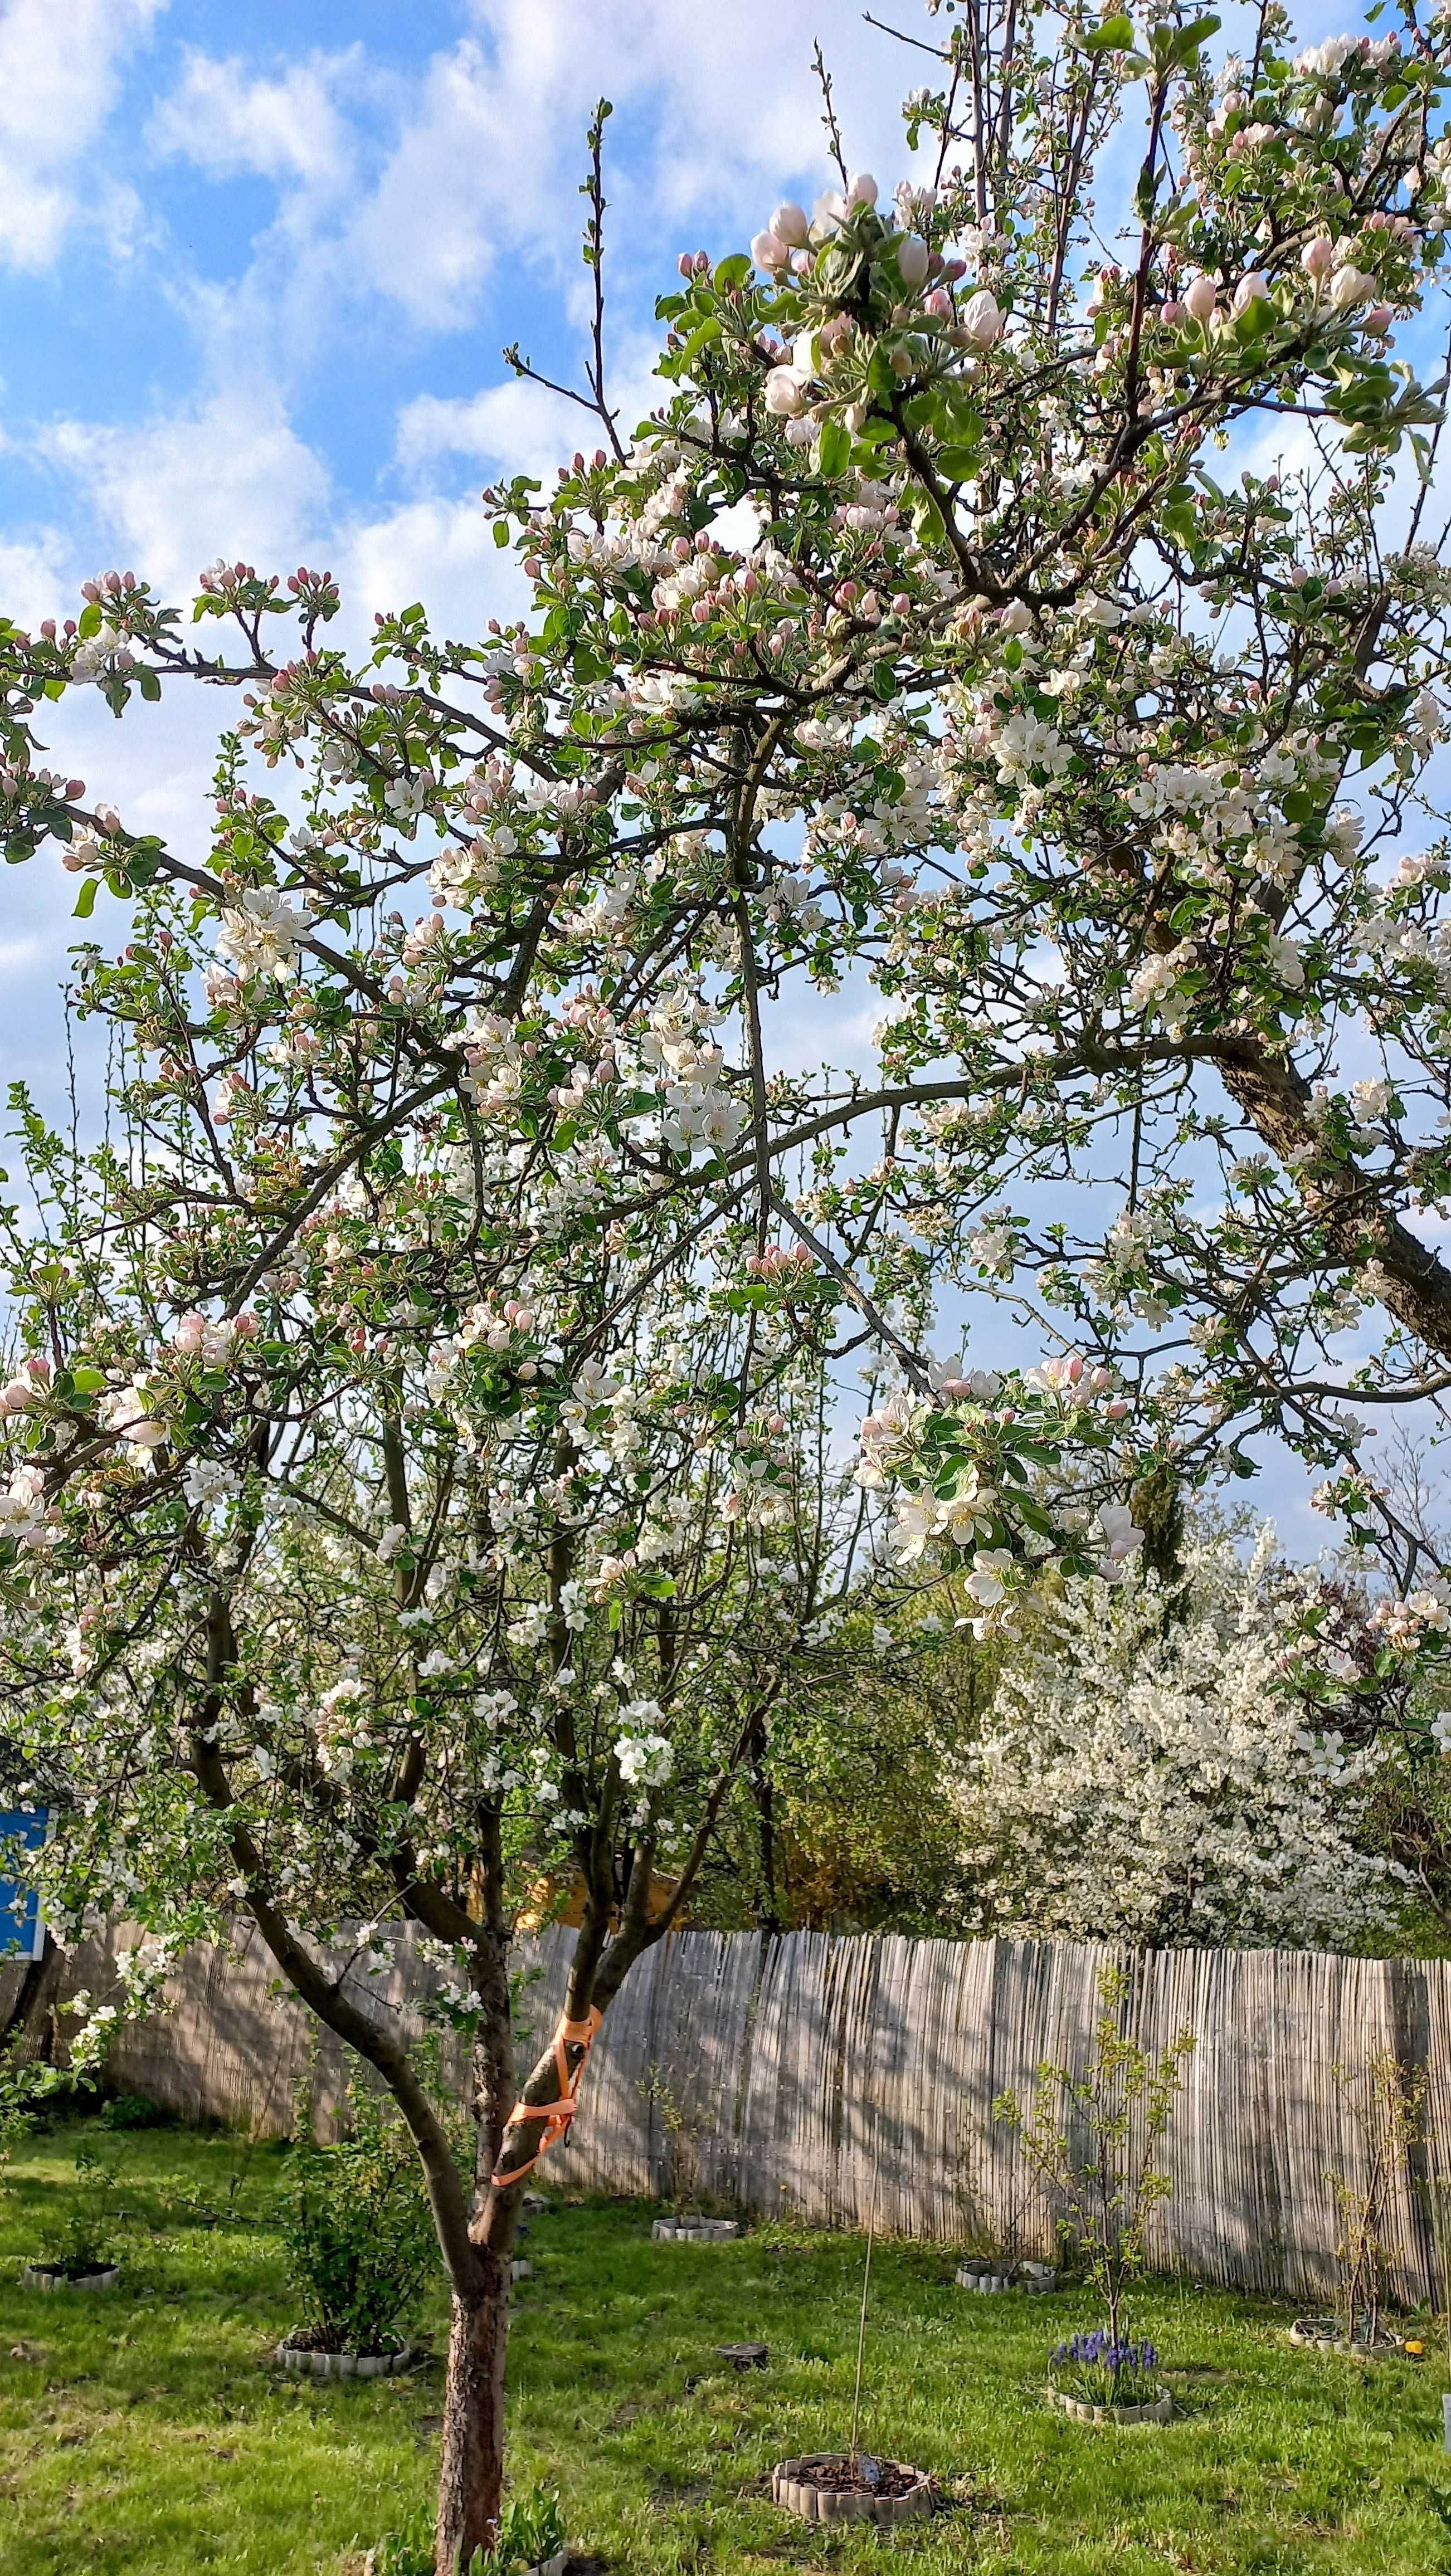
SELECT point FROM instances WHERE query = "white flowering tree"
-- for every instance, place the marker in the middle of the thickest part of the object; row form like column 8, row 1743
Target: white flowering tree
column 1143, row 1776
column 914, row 639
column 378, row 1606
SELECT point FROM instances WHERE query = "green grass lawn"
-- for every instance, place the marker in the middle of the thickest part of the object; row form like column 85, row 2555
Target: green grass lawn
column 144, row 2433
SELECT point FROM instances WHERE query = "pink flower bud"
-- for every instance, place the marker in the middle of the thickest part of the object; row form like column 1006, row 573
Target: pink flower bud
column 1116, row 1410
column 912, row 258
column 1378, row 318
column 1172, row 313
column 785, row 394
column 1252, row 289
column 981, row 317
column 939, row 304
column 1318, row 256
column 861, row 190
column 769, row 251
column 1201, row 298
column 789, row 224
column 1348, row 287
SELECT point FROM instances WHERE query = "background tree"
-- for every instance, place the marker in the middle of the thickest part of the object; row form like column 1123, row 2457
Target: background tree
column 1144, row 1776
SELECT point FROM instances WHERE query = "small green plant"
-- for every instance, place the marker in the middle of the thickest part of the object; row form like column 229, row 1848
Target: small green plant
column 684, row 2110
column 357, row 2231
column 531, row 2532
column 132, row 2111
column 82, row 2236
column 1003, row 2214
column 1386, row 2105
column 1092, row 2139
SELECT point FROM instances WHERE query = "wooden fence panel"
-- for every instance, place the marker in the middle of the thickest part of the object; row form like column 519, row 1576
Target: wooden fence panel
column 824, row 2075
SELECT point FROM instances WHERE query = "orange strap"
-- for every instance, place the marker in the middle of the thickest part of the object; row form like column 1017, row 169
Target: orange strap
column 558, row 2114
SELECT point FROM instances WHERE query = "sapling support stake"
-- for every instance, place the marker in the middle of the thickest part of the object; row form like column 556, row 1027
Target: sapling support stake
column 861, row 2340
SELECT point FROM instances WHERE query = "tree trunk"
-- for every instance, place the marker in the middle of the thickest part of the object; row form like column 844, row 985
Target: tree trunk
column 763, row 1792
column 1343, row 1201
column 471, row 2469
column 29, row 2026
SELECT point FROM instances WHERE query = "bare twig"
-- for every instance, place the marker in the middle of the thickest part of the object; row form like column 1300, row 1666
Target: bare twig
column 828, row 117
column 594, row 258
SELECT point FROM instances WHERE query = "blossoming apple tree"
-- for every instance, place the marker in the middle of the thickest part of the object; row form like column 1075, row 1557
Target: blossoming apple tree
column 463, row 1265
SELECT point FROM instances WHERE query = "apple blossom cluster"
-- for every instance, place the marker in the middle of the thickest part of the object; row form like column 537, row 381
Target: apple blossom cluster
column 965, row 1465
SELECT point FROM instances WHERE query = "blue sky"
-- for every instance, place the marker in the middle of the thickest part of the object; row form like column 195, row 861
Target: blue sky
column 257, row 266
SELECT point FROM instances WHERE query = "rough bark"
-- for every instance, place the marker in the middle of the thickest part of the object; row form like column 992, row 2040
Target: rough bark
column 471, row 2467
column 29, row 2025
column 1352, row 1218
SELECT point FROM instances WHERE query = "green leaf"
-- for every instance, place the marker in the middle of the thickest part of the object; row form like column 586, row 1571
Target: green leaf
column 90, row 621
column 86, row 899
column 88, row 1381
column 733, row 271
column 958, row 464
column 501, row 532
column 1113, row 37
column 834, row 449
column 1189, row 39
column 699, row 340
column 149, row 684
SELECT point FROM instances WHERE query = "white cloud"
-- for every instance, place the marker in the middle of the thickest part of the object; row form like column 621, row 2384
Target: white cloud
column 287, row 128
column 60, row 68
column 34, row 573
column 523, row 428
column 490, row 150
column 228, row 475
column 439, row 551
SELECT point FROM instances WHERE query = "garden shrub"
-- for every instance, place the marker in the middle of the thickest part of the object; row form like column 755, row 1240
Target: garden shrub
column 357, row 2230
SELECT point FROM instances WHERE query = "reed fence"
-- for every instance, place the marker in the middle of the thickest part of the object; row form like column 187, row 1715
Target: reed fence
column 814, row 2073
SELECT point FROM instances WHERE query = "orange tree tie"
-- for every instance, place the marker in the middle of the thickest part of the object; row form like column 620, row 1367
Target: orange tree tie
column 556, row 2115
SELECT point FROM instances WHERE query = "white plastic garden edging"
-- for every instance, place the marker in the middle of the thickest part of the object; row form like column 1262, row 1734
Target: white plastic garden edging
column 1031, row 2279
column 1315, row 2334
column 41, row 2276
column 693, row 2231
column 1088, row 2413
column 791, row 2486
column 344, row 2365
